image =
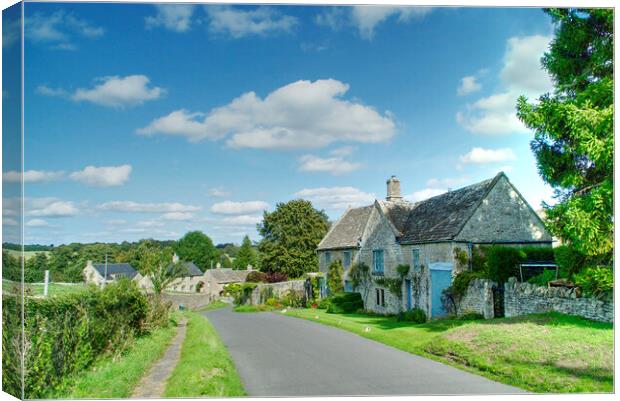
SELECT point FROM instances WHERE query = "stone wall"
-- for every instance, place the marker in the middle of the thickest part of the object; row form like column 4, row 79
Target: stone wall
column 524, row 298
column 189, row 301
column 477, row 299
column 262, row 292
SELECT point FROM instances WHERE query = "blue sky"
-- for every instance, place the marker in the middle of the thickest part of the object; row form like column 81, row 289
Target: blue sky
column 149, row 121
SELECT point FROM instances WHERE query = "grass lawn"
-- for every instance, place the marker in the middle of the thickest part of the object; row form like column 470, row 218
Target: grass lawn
column 217, row 304
column 109, row 378
column 37, row 288
column 540, row 353
column 253, row 308
column 205, row 369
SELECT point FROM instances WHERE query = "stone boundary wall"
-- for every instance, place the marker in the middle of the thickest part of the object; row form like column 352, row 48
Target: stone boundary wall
column 264, row 291
column 189, row 301
column 477, row 299
column 524, row 298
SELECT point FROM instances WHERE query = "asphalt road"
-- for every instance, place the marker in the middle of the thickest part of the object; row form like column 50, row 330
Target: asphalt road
column 278, row 355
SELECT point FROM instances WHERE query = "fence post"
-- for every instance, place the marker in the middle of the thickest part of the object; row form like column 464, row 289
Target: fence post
column 46, row 283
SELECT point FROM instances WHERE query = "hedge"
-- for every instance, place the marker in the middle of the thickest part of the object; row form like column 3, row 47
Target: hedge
column 65, row 334
column 345, row 302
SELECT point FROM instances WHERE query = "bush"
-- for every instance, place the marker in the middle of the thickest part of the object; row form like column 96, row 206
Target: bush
column 345, row 302
column 273, row 302
column 240, row 292
column 334, row 277
column 503, row 263
column 275, row 277
column 543, row 278
column 415, row 315
column 569, row 261
column 256, row 277
column 293, row 299
column 66, row 333
column 539, row 253
column 471, row 316
column 596, row 281
column 323, row 303
column 461, row 282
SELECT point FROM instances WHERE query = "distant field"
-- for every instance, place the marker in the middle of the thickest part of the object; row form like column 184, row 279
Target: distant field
column 37, row 288
column 27, row 254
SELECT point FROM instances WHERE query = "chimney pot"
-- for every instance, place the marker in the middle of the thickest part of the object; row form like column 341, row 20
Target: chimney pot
column 393, row 190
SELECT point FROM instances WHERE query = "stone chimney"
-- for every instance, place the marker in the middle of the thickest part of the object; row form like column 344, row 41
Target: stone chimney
column 175, row 258
column 393, row 190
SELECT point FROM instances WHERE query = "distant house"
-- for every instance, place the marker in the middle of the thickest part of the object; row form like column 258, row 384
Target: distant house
column 425, row 235
column 94, row 273
column 216, row 279
column 191, row 279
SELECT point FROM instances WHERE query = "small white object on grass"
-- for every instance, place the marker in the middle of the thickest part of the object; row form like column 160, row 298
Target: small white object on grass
column 284, row 310
column 316, row 317
column 366, row 329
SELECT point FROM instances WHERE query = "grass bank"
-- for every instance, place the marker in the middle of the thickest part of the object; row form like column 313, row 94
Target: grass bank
column 9, row 287
column 117, row 377
column 205, row 368
column 540, row 353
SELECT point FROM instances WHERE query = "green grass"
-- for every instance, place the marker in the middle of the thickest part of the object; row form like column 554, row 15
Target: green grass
column 27, row 254
column 540, row 353
column 253, row 308
column 109, row 378
column 205, row 368
column 217, row 304
column 37, row 288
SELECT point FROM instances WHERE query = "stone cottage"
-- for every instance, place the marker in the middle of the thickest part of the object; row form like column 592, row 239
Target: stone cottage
column 425, row 235
column 94, row 273
column 192, row 279
column 216, row 279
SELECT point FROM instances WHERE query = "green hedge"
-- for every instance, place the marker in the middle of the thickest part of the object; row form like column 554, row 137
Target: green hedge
column 65, row 334
column 345, row 302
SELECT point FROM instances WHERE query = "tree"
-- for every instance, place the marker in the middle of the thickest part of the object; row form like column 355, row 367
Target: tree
column 246, row 255
column 11, row 267
column 334, row 276
column 197, row 247
column 158, row 266
column 573, row 142
column 291, row 234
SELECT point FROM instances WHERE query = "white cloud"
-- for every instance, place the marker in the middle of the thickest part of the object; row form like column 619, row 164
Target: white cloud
column 178, row 216
column 239, row 22
column 37, row 223
column 303, row 114
column 334, row 165
column 242, row 220
column 52, row 92
column 521, row 74
column 219, row 192
column 103, row 176
column 333, row 17
column 57, row 29
column 118, row 91
column 136, row 207
column 32, row 176
column 49, row 207
column 229, row 207
column 425, row 194
column 174, row 17
column 150, row 223
column 468, row 85
column 336, row 197
column 116, row 222
column 483, row 156
column 9, row 222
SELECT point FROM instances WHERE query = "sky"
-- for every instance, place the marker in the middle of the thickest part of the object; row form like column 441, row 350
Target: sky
column 147, row 121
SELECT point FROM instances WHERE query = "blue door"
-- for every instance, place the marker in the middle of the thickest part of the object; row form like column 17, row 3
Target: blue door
column 440, row 280
column 409, row 294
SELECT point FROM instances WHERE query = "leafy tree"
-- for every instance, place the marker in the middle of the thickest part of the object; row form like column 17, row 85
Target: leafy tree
column 34, row 271
column 197, row 247
column 226, row 261
column 291, row 234
column 573, row 142
column 334, row 276
column 246, row 255
column 11, row 267
column 158, row 266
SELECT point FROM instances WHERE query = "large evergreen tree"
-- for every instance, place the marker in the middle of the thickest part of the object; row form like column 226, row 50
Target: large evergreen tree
column 573, row 127
column 291, row 234
column 246, row 255
column 197, row 247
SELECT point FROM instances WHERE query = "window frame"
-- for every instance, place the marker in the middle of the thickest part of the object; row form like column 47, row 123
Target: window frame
column 414, row 252
column 344, row 258
column 376, row 252
column 328, row 257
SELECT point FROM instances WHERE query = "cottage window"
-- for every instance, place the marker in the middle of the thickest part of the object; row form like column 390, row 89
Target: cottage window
column 347, row 259
column 328, row 257
column 377, row 261
column 380, row 293
column 348, row 287
column 415, row 258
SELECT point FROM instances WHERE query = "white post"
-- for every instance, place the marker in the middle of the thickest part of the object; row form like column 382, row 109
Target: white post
column 46, row 283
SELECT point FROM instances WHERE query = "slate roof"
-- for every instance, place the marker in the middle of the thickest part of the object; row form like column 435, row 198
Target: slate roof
column 435, row 219
column 442, row 217
column 229, row 275
column 348, row 230
column 191, row 269
column 116, row 269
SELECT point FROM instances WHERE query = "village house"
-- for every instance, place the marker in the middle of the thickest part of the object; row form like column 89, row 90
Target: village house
column 424, row 236
column 216, row 279
column 190, row 280
column 94, row 273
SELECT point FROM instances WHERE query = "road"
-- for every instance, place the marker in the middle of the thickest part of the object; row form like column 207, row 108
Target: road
column 278, row 355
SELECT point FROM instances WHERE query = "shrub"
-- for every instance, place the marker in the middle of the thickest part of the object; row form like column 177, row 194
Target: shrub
column 273, row 302
column 539, row 253
column 415, row 315
column 293, row 299
column 334, row 276
column 345, row 302
column 461, row 282
column 543, row 278
column 275, row 277
column 323, row 303
column 402, row 270
column 64, row 334
column 503, row 263
column 596, row 281
column 569, row 261
column 471, row 316
column 240, row 292
column 256, row 277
